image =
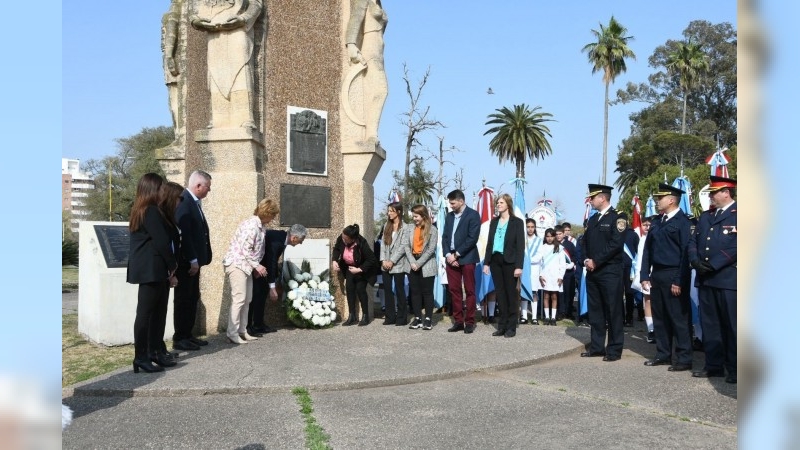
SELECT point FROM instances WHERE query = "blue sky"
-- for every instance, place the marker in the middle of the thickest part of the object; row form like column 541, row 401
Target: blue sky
column 105, row 82
column 527, row 52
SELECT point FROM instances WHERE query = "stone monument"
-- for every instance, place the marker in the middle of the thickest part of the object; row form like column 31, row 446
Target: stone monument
column 275, row 100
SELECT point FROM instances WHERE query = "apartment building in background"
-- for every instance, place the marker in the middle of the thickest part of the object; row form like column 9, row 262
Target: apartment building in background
column 75, row 186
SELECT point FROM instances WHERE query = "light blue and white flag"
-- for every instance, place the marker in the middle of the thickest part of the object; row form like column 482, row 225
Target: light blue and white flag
column 526, row 291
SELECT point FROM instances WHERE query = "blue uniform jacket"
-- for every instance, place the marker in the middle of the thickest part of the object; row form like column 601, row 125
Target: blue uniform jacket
column 714, row 240
column 667, row 246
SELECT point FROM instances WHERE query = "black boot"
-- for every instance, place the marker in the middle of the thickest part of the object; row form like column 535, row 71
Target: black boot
column 364, row 313
column 145, row 365
column 352, row 320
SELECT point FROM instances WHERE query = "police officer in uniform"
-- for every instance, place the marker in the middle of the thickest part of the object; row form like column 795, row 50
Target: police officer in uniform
column 712, row 252
column 602, row 247
column 666, row 273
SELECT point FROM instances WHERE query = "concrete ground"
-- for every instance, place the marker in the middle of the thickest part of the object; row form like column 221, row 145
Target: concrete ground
column 391, row 387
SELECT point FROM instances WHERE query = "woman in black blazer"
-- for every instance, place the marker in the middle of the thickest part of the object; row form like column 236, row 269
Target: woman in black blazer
column 353, row 255
column 505, row 252
column 151, row 265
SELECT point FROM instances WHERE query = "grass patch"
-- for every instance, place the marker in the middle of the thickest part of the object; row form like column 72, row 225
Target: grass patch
column 533, row 383
column 69, row 277
column 82, row 360
column 626, row 404
column 562, row 389
column 316, row 438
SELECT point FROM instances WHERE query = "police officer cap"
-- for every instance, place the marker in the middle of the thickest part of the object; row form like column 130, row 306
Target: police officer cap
column 666, row 189
column 718, row 183
column 595, row 189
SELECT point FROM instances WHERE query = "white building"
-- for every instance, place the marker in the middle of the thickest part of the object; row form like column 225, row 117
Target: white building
column 74, row 190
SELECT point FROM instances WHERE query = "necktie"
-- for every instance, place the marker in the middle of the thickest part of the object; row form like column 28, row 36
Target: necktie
column 201, row 210
column 716, row 213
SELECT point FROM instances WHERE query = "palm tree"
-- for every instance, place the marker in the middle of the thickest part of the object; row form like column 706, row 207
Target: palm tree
column 608, row 54
column 689, row 62
column 519, row 134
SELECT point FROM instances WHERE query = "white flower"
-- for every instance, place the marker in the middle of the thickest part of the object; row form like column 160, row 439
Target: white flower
column 323, row 285
column 316, row 278
column 307, row 314
column 303, row 288
column 296, row 304
column 299, row 277
column 306, row 276
column 292, row 295
column 312, row 284
column 326, row 321
column 301, row 307
column 293, row 284
column 333, row 305
column 333, row 316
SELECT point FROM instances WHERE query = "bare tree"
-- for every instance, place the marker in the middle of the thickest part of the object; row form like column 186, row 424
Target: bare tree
column 441, row 182
column 416, row 120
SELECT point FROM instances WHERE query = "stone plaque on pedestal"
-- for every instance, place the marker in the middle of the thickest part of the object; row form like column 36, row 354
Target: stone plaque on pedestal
column 115, row 243
column 308, row 141
column 306, row 205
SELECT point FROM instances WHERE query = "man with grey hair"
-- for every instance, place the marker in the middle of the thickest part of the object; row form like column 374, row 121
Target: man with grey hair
column 195, row 253
column 274, row 244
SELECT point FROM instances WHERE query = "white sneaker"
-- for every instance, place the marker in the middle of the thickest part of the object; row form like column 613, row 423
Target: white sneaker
column 236, row 340
column 248, row 337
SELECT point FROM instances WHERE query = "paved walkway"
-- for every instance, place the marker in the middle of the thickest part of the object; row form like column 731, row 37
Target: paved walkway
column 391, row 387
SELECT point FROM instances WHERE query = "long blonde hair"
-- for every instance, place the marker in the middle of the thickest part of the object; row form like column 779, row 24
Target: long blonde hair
column 425, row 227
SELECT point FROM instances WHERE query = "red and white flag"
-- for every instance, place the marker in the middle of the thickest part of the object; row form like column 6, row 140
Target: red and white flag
column 636, row 217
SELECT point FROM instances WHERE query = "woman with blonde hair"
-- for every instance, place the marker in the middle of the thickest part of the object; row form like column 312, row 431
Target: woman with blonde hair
column 420, row 250
column 242, row 262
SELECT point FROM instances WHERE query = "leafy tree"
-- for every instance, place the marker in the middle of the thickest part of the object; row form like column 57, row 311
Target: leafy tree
column 713, row 103
column 69, row 252
column 519, row 133
column 607, row 54
column 119, row 174
column 689, row 61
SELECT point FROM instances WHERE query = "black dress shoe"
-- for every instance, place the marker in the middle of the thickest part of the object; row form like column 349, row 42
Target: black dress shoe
column 730, row 379
column 147, row 366
column 401, row 322
column 499, row 333
column 592, row 354
column 491, row 319
column 253, row 332
column 611, row 358
column 679, row 367
column 162, row 360
column 510, row 333
column 364, row 321
column 185, row 344
column 708, row 373
column 534, row 322
column 352, row 320
column 197, row 341
column 456, row 327
column 469, row 328
column 657, row 362
column 389, row 321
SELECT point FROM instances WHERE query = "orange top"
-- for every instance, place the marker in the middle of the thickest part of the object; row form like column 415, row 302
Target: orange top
column 418, row 241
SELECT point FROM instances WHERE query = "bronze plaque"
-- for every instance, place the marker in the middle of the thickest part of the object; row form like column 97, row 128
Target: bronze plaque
column 308, row 143
column 115, row 242
column 307, row 205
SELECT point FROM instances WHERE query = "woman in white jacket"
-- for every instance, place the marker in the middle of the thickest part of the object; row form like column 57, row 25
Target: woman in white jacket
column 554, row 264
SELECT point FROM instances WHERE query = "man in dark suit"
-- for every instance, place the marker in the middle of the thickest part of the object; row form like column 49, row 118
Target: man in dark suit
column 275, row 242
column 459, row 243
column 630, row 247
column 602, row 249
column 565, row 304
column 195, row 253
column 712, row 252
column 666, row 274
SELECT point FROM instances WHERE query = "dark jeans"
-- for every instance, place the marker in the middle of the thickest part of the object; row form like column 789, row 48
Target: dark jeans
column 187, row 295
column 151, row 319
column 421, row 293
column 395, row 301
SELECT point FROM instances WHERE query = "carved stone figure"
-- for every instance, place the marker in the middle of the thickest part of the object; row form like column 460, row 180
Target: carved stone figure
column 229, row 30
column 364, row 39
column 170, row 37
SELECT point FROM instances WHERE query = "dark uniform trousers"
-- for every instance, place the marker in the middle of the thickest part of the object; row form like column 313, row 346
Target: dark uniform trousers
column 255, row 315
column 718, row 318
column 604, row 289
column 672, row 316
column 187, row 296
